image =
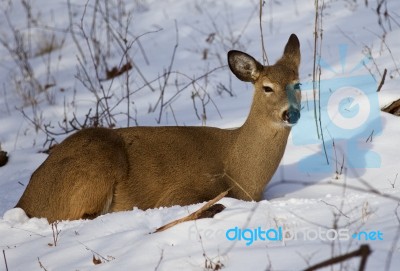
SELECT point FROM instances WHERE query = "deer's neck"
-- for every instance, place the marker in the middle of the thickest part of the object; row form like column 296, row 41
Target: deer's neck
column 255, row 154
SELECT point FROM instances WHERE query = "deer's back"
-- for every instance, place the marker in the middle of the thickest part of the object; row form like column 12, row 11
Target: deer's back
column 173, row 165
column 99, row 170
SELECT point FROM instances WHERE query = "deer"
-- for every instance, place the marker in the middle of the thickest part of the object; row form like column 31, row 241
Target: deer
column 96, row 171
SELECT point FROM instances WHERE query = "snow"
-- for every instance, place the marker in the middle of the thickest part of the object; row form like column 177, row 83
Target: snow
column 299, row 200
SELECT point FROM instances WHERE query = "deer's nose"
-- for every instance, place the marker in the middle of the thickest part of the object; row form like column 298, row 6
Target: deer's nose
column 291, row 116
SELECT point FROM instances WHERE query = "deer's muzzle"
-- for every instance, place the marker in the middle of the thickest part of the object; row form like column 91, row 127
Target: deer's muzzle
column 291, row 116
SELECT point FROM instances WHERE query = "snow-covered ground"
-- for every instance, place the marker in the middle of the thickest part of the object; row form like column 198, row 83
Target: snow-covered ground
column 331, row 210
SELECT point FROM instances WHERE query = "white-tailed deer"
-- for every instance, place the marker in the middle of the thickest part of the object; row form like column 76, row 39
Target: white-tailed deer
column 98, row 170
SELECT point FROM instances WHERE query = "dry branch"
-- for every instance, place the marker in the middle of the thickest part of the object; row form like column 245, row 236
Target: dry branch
column 364, row 251
column 393, row 108
column 5, row 259
column 117, row 71
column 41, row 265
column 264, row 53
column 382, row 80
column 208, row 210
column 3, row 157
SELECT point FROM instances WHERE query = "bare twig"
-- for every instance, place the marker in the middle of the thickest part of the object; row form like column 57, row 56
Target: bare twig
column 314, row 80
column 238, row 185
column 382, row 80
column 320, row 114
column 393, row 108
column 364, row 251
column 5, row 259
column 178, row 92
column 167, row 76
column 71, row 30
column 393, row 184
column 195, row 215
column 160, row 260
column 264, row 53
column 370, row 137
column 56, row 233
column 339, row 210
column 41, row 265
column 94, row 252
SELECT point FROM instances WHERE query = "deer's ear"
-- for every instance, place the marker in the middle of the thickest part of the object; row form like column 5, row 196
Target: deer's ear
column 245, row 67
column 291, row 54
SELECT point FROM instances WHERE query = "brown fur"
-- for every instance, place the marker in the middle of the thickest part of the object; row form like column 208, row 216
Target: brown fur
column 99, row 170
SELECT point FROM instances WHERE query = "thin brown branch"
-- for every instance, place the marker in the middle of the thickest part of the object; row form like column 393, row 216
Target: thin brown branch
column 41, row 265
column 393, row 108
column 160, row 260
column 195, row 215
column 240, row 187
column 314, row 79
column 264, row 53
column 382, row 80
column 364, row 251
column 5, row 259
column 95, row 253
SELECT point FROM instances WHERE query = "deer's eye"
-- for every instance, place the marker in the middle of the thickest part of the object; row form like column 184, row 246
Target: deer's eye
column 297, row 86
column 267, row 89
